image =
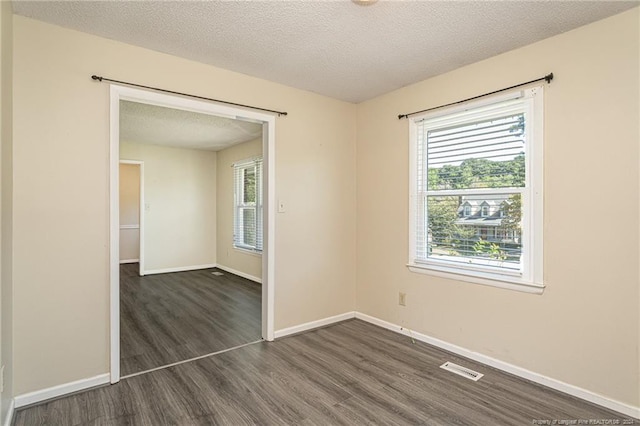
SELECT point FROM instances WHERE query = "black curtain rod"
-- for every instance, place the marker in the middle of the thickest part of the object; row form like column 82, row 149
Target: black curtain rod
column 98, row 78
column 547, row 78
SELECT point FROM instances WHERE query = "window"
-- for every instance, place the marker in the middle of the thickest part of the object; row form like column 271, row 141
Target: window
column 487, row 154
column 247, row 218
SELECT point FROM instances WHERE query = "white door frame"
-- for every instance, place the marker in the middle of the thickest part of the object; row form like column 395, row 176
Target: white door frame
column 119, row 93
column 140, row 217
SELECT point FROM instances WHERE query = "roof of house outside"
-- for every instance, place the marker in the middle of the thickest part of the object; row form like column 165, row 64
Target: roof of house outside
column 476, row 218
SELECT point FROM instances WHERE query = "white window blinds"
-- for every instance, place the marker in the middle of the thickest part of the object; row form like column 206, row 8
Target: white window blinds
column 247, row 223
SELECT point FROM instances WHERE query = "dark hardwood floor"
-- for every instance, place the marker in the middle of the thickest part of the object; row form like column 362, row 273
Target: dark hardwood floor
column 345, row 374
column 167, row 318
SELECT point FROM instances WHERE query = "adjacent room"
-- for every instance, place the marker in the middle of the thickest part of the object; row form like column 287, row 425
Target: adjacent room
column 190, row 235
column 320, row 212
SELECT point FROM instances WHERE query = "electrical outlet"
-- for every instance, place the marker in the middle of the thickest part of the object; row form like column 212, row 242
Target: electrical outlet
column 402, row 299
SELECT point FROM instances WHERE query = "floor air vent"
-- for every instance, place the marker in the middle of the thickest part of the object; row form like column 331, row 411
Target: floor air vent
column 217, row 274
column 462, row 371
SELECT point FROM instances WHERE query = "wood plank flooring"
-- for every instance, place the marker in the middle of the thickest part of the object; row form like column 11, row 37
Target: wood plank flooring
column 351, row 373
column 167, row 318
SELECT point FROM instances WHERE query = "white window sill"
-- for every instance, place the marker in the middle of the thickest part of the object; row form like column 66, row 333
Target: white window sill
column 248, row 251
column 506, row 282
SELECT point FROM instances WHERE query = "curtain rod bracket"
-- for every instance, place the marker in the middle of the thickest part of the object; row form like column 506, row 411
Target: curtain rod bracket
column 100, row 79
column 546, row 78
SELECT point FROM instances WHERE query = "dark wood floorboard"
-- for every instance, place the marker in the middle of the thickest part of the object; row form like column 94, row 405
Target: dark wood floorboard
column 167, row 318
column 352, row 373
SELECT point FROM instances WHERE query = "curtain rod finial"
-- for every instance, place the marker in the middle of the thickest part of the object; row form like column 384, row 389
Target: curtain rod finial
column 95, row 77
column 401, row 116
column 549, row 77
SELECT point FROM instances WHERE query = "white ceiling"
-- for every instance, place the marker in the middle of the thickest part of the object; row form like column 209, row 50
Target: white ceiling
column 335, row 48
column 150, row 124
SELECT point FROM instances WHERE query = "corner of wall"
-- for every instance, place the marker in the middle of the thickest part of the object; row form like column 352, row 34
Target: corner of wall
column 248, row 265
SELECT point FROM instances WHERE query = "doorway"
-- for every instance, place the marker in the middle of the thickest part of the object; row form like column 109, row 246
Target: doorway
column 131, row 235
column 267, row 122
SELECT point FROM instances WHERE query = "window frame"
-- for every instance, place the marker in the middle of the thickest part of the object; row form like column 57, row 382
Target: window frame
column 256, row 164
column 530, row 278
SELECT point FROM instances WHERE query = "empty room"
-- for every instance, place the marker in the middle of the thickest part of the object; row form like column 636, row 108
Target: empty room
column 320, row 212
column 190, row 245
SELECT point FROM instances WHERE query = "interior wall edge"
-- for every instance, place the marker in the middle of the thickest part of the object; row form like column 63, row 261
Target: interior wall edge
column 60, row 390
column 8, row 420
column 311, row 325
column 179, row 269
column 7, row 209
column 240, row 273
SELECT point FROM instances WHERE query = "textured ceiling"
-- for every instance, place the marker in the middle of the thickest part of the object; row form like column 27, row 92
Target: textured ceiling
column 335, row 48
column 150, row 124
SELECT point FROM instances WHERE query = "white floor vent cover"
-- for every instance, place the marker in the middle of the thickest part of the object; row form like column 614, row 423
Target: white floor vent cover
column 217, row 274
column 462, row 371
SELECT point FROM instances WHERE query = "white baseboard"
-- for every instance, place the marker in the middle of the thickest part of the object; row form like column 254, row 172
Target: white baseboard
column 240, row 274
column 129, row 261
column 179, row 269
column 9, row 418
column 581, row 393
column 313, row 324
column 64, row 389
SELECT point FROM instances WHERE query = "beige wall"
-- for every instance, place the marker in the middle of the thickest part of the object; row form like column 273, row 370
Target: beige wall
column 129, row 245
column 129, row 211
column 61, row 308
column 179, row 205
column 584, row 329
column 6, row 201
column 229, row 257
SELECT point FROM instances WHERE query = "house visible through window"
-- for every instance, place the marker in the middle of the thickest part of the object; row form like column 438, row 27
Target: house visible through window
column 247, row 220
column 476, row 190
